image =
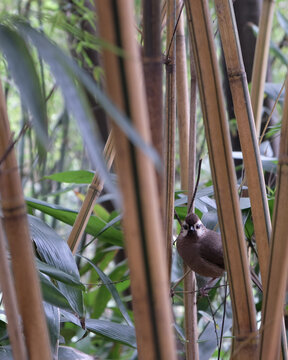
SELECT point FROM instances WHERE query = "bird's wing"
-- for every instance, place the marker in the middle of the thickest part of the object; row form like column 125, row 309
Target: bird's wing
column 212, row 253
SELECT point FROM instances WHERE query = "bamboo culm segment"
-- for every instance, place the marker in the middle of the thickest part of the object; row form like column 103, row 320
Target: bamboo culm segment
column 278, row 266
column 246, row 128
column 223, row 175
column 20, row 246
column 144, row 238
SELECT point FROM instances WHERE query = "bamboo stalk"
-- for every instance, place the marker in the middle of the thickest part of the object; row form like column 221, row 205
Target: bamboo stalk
column 152, row 63
column 224, row 180
column 169, row 130
column 17, row 231
column 246, row 127
column 10, row 304
column 261, row 61
column 187, row 171
column 278, row 265
column 93, row 193
column 144, row 239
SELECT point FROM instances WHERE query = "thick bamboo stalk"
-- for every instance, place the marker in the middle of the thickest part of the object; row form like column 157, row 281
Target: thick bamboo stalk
column 144, row 239
column 15, row 330
column 278, row 264
column 224, row 180
column 153, row 64
column 261, row 61
column 187, row 171
column 93, row 193
column 246, row 127
column 20, row 245
column 169, row 130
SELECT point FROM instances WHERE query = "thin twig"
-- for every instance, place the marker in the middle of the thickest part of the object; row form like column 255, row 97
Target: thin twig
column 223, row 320
column 196, row 186
column 214, row 321
column 11, row 146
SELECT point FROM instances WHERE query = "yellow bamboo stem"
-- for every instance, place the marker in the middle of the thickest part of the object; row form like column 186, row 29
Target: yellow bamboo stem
column 169, row 130
column 10, row 303
column 20, row 245
column 224, row 180
column 93, row 193
column 278, row 264
column 144, row 238
column 261, row 61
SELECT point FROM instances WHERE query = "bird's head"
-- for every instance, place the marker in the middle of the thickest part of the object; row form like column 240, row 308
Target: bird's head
column 192, row 226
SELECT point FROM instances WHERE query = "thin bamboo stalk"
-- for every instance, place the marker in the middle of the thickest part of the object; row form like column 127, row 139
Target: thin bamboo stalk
column 261, row 61
column 15, row 330
column 169, row 130
column 93, row 193
column 224, row 180
column 144, row 239
column 278, row 265
column 187, row 171
column 20, row 245
column 153, row 63
column 246, row 127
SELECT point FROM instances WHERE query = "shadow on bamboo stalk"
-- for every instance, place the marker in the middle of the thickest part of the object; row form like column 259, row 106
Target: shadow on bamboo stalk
column 144, row 239
column 223, row 176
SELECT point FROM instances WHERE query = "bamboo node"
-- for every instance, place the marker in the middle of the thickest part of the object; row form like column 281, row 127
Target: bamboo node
column 95, row 188
column 234, row 75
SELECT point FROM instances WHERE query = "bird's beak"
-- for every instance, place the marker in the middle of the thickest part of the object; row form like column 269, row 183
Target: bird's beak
column 192, row 228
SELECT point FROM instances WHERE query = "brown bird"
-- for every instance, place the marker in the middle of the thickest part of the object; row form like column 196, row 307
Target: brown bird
column 201, row 249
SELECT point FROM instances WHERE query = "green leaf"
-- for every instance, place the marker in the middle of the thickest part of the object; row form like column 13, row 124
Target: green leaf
column 94, row 226
column 63, row 66
column 68, row 353
column 52, row 314
column 55, row 251
column 53, row 295
column 120, row 333
column 72, row 177
column 60, row 275
column 25, row 77
column 112, row 289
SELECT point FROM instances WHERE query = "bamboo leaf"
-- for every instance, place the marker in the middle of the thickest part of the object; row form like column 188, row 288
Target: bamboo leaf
column 52, row 295
column 55, row 251
column 59, row 275
column 25, row 77
column 117, row 332
column 63, row 66
column 94, row 226
column 72, row 177
column 52, row 314
column 111, row 287
column 68, row 353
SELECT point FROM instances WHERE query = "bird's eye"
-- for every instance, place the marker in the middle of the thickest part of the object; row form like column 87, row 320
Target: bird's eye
column 185, row 227
column 197, row 226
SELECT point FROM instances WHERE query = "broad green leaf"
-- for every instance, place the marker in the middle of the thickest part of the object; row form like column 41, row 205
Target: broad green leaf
column 25, row 77
column 52, row 295
column 55, row 251
column 74, row 95
column 61, row 65
column 283, row 21
column 74, row 177
column 117, row 332
column 112, row 289
column 68, row 353
column 60, row 275
column 52, row 314
column 94, row 226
